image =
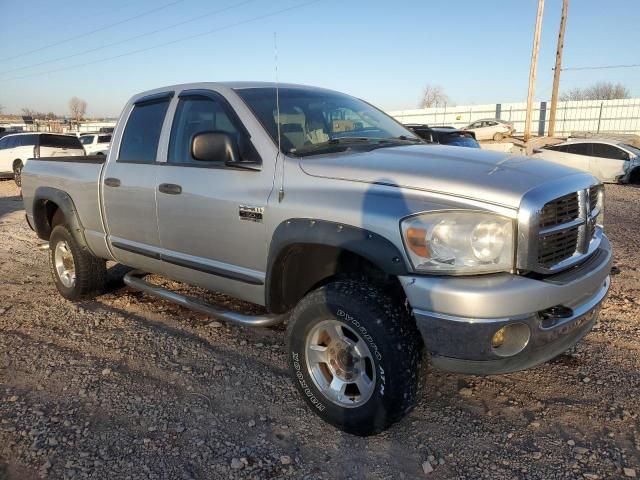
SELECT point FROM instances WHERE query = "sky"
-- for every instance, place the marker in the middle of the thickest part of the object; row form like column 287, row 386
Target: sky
column 382, row 51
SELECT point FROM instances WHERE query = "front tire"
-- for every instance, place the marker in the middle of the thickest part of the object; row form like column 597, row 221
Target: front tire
column 497, row 137
column 355, row 356
column 17, row 172
column 76, row 272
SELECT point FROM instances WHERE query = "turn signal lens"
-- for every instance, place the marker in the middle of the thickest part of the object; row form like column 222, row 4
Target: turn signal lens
column 417, row 241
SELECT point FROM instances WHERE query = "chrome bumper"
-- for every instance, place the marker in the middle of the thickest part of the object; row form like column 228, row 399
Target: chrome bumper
column 457, row 320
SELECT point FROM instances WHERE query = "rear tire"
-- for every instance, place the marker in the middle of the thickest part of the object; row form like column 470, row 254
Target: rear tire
column 355, row 356
column 76, row 272
column 17, row 172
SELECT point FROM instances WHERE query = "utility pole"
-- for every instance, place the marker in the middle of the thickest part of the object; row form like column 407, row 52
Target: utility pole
column 556, row 73
column 532, row 71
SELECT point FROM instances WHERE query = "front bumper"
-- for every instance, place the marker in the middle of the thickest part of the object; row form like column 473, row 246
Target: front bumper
column 458, row 316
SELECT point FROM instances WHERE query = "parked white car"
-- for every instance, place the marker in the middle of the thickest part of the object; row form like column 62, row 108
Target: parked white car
column 16, row 148
column 490, row 129
column 96, row 143
column 609, row 160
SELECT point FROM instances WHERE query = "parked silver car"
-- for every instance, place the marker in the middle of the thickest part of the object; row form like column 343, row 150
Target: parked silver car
column 490, row 129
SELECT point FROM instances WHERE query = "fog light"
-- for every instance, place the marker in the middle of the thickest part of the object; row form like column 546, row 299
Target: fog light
column 498, row 338
column 510, row 339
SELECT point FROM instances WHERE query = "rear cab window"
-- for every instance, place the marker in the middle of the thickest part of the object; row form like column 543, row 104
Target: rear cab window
column 142, row 133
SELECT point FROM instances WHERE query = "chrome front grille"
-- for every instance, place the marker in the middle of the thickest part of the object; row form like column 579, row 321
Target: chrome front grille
column 556, row 247
column 561, row 210
column 557, row 231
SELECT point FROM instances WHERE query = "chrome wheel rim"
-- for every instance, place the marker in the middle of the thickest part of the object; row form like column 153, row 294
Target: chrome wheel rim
column 65, row 267
column 340, row 364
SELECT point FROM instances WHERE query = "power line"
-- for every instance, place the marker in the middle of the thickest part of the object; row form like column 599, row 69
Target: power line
column 135, row 37
column 178, row 40
column 603, row 67
column 106, row 27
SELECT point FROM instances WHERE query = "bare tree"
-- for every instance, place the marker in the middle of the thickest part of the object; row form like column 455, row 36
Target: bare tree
column 597, row 91
column 78, row 108
column 433, row 96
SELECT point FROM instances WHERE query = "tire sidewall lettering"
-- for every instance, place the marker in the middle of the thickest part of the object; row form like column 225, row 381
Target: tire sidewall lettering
column 295, row 360
column 366, row 336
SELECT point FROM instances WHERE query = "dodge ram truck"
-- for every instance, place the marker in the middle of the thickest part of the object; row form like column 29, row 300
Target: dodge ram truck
column 374, row 247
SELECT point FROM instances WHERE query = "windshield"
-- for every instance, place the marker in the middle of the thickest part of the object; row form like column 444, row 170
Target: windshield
column 318, row 121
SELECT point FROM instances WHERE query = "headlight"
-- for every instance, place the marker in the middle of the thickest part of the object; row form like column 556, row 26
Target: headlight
column 459, row 242
column 600, row 207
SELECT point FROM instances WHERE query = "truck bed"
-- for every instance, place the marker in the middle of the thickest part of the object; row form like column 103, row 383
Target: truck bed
column 76, row 176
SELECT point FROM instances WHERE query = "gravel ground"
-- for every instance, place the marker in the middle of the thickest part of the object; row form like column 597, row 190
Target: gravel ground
column 130, row 387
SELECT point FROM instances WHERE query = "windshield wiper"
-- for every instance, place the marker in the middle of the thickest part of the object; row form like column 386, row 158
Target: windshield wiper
column 340, row 142
column 343, row 143
column 402, row 138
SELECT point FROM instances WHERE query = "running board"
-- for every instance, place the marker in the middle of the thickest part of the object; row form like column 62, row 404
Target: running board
column 133, row 280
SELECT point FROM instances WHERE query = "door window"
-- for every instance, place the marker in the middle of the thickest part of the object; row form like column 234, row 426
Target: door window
column 609, row 151
column 142, row 133
column 196, row 115
column 27, row 140
column 3, row 143
column 86, row 139
column 12, row 142
column 579, row 149
column 60, row 141
column 104, row 138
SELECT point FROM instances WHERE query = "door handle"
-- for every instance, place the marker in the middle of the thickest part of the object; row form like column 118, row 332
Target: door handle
column 112, row 182
column 170, row 188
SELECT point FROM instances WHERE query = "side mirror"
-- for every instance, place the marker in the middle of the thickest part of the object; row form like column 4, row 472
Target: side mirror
column 215, row 147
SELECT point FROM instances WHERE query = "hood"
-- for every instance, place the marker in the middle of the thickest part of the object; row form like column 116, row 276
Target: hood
column 493, row 177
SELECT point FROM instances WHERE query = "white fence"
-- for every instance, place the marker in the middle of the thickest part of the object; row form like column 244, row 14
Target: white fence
column 595, row 116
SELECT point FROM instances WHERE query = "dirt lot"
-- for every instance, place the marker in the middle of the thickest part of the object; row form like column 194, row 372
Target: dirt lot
column 127, row 386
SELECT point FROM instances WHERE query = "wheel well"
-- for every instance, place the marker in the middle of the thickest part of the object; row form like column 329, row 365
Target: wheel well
column 52, row 215
column 634, row 176
column 301, row 267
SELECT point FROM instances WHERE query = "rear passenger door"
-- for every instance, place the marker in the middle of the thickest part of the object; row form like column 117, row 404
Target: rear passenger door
column 579, row 157
column 129, row 183
column 608, row 162
column 206, row 238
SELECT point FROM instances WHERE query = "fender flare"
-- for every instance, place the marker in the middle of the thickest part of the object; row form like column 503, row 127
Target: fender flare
column 41, row 224
column 375, row 248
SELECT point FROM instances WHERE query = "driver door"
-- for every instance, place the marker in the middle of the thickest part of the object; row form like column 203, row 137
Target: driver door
column 207, row 237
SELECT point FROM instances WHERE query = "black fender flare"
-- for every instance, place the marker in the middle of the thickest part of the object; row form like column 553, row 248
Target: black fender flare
column 375, row 248
column 41, row 224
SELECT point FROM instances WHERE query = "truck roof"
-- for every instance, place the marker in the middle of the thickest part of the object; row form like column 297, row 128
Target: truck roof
column 232, row 85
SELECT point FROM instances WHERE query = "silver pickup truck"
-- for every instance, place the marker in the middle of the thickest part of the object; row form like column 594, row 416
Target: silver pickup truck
column 372, row 245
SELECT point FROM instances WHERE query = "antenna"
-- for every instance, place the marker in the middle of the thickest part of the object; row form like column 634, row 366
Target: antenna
column 275, row 51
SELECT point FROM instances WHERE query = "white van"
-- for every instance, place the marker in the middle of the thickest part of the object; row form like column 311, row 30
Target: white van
column 96, row 143
column 16, row 148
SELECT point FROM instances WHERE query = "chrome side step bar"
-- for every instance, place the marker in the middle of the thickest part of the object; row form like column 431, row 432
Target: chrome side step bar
column 133, row 279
